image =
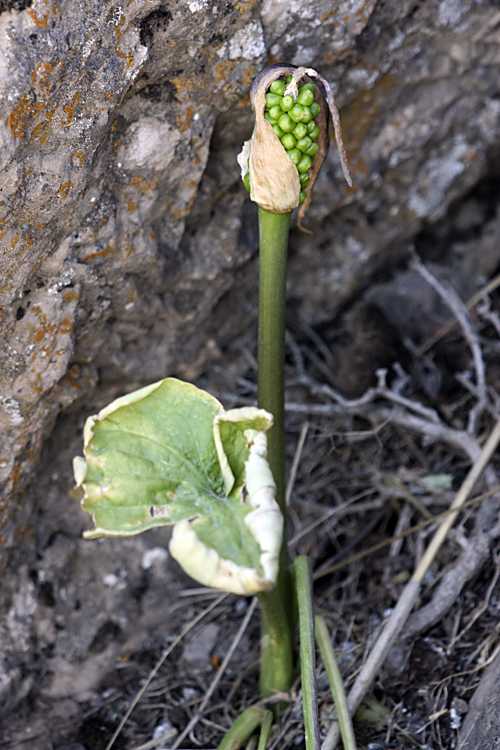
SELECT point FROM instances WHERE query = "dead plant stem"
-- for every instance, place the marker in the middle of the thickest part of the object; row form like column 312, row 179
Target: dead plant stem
column 411, row 591
column 158, row 665
column 218, row 677
column 397, row 537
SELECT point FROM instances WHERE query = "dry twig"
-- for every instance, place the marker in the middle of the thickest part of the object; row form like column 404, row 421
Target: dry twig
column 158, row 665
column 218, row 677
column 451, row 298
column 412, row 589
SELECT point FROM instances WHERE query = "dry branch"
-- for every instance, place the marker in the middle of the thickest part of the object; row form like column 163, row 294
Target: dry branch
column 411, row 591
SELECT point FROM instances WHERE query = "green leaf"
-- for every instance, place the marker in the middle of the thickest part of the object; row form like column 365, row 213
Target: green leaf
column 169, row 454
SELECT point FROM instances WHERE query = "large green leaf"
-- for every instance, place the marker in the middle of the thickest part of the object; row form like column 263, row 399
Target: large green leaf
column 169, row 454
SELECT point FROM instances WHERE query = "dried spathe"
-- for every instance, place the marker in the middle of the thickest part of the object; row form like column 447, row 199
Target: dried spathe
column 274, row 178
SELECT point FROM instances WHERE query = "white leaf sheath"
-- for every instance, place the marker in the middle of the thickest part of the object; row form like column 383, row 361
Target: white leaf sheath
column 265, row 523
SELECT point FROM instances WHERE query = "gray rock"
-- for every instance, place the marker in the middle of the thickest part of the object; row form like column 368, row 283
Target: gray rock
column 199, row 648
column 481, row 727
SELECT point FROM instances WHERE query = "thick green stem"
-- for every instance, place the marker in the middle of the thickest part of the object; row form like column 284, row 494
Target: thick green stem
column 277, row 642
column 273, row 230
column 276, row 661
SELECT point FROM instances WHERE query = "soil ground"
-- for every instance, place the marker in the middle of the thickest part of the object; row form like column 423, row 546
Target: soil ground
column 88, row 621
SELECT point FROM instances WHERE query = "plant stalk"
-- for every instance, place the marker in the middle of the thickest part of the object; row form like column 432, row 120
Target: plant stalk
column 336, row 684
column 243, row 728
column 276, row 661
column 303, row 588
column 273, row 232
column 277, row 642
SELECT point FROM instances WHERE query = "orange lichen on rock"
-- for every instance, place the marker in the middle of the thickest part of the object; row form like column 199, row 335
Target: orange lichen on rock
column 39, row 131
column 41, row 11
column 143, row 185
column 128, row 56
column 15, row 476
column 131, row 206
column 223, row 69
column 41, row 82
column 128, row 249
column 244, row 101
column 194, row 185
column 64, row 189
column 328, row 13
column 69, row 109
column 31, row 104
column 183, row 123
column 40, row 76
column 362, row 8
column 16, row 120
column 66, row 325
column 187, row 85
column 37, row 387
column 80, row 156
column 42, row 129
column 70, row 296
column 73, row 383
column 98, row 254
column 248, row 75
column 50, row 334
column 117, row 19
column 40, row 20
column 244, row 5
column 25, row 172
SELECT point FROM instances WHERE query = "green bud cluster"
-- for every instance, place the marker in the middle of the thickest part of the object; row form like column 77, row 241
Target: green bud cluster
column 293, row 122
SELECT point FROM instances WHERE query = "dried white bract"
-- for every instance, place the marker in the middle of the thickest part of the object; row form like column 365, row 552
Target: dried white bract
column 274, row 179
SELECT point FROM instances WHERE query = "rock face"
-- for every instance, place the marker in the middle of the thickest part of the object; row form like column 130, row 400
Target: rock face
column 123, row 221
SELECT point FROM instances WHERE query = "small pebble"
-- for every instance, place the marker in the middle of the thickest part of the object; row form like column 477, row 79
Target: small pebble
column 152, row 555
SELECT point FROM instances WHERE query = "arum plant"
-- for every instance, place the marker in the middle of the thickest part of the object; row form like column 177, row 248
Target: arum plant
column 170, row 455
column 279, row 166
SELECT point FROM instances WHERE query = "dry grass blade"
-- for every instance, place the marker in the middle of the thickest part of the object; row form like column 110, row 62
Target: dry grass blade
column 493, row 284
column 158, row 665
column 218, row 676
column 449, row 296
column 412, row 589
column 296, row 461
column 461, row 497
column 347, row 560
column 481, row 609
